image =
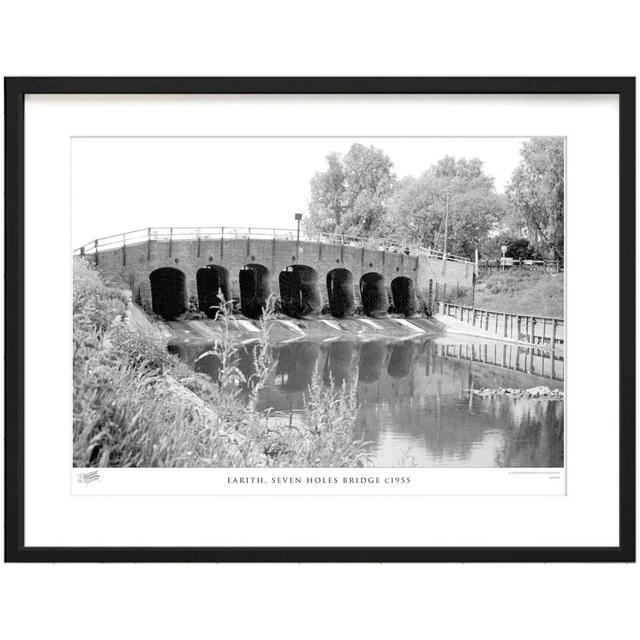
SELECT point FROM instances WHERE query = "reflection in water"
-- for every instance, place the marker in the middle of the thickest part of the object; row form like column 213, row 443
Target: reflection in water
column 373, row 356
column 401, row 359
column 341, row 363
column 415, row 405
column 296, row 364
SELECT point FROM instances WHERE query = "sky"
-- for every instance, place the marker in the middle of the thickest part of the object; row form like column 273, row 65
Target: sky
column 121, row 184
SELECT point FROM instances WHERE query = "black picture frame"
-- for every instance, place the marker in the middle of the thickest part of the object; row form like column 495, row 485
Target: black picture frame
column 15, row 91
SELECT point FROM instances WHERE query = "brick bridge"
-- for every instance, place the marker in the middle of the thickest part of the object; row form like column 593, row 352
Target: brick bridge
column 167, row 268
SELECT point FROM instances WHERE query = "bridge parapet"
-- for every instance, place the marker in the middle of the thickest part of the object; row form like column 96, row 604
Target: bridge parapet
column 171, row 234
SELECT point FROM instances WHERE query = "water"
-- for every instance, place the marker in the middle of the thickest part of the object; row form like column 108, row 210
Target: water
column 415, row 404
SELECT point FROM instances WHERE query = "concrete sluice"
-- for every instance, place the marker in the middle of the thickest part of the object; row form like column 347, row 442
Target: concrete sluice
column 404, row 295
column 374, row 295
column 299, row 293
column 211, row 282
column 255, row 289
column 340, row 293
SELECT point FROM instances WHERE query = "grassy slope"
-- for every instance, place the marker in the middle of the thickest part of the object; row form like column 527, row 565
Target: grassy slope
column 519, row 291
column 137, row 405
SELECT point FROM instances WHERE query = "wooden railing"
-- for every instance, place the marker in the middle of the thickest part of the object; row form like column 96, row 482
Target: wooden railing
column 434, row 253
column 534, row 330
column 170, row 234
column 506, row 264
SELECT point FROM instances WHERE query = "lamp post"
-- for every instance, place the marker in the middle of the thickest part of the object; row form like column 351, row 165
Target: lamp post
column 298, row 217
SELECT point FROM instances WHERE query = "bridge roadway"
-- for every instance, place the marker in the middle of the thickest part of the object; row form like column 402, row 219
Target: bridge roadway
column 167, row 275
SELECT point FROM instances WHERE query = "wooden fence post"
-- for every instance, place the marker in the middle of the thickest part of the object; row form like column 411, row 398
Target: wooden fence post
column 553, row 333
column 124, row 249
column 148, row 244
column 473, row 290
column 170, row 240
column 95, row 251
column 532, row 339
column 530, row 360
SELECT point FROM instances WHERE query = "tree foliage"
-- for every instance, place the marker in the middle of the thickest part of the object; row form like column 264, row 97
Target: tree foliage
column 535, row 193
column 417, row 208
column 351, row 196
column 358, row 194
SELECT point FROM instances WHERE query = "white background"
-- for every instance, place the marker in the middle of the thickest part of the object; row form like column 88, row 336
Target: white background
column 135, row 183
column 586, row 516
column 327, row 38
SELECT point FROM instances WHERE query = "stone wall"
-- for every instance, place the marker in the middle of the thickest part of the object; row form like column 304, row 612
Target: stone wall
column 132, row 265
column 454, row 274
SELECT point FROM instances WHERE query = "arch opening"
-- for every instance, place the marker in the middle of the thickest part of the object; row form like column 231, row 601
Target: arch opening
column 210, row 281
column 168, row 292
column 255, row 289
column 404, row 295
column 373, row 294
column 340, row 293
column 299, row 293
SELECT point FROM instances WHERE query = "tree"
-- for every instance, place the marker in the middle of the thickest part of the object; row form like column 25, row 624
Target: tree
column 417, row 208
column 351, row 196
column 535, row 193
column 517, row 247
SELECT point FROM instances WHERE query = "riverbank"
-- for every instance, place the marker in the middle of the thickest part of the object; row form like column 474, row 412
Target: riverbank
column 526, row 292
column 135, row 404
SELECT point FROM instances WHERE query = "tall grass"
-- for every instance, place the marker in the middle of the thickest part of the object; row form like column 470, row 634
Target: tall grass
column 533, row 292
column 136, row 405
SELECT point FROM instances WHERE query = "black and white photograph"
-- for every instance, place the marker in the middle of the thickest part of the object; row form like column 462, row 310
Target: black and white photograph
column 359, row 310
column 318, row 301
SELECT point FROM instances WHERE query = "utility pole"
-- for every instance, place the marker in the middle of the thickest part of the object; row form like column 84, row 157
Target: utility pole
column 446, row 234
column 446, row 226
